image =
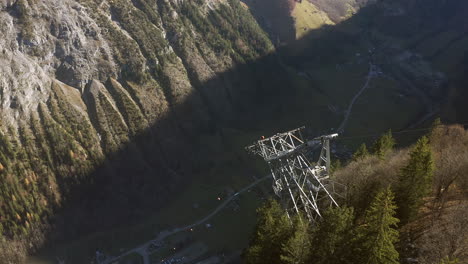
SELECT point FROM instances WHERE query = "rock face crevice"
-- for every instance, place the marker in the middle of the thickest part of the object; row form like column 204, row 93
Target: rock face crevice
column 105, row 97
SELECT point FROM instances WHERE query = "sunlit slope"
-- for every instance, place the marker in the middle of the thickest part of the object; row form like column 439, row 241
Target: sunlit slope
column 308, row 17
column 286, row 20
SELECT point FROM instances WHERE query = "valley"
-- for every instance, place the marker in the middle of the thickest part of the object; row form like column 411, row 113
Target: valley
column 124, row 121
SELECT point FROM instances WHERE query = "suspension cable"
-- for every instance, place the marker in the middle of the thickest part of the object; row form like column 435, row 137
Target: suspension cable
column 396, row 132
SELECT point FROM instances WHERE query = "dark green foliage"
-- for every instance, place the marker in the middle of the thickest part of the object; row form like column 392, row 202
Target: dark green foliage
column 383, row 145
column 332, row 239
column 298, row 248
column 209, row 31
column 378, row 234
column 130, row 110
column 415, row 180
column 273, row 229
column 40, row 162
column 229, row 30
column 335, row 239
column 361, row 152
column 247, row 27
column 437, row 123
column 147, row 35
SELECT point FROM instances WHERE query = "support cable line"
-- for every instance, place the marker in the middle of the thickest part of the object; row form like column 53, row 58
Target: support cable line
column 396, row 132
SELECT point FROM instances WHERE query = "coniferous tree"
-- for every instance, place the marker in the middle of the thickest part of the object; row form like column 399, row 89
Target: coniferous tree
column 415, row 180
column 298, row 248
column 437, row 123
column 332, row 240
column 272, row 230
column 383, row 145
column 361, row 152
column 378, row 234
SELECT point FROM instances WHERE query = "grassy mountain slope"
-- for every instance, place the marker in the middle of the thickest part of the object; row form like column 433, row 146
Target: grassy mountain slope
column 408, row 43
column 418, row 51
column 287, row 20
column 411, row 41
column 308, row 17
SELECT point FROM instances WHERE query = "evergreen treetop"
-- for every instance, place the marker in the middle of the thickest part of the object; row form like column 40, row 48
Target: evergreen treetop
column 378, row 233
column 361, row 152
column 298, row 248
column 333, row 237
column 383, row 145
column 415, row 180
column 273, row 229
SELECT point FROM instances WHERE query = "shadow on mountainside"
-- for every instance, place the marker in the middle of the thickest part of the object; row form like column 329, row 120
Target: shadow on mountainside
column 275, row 19
column 269, row 95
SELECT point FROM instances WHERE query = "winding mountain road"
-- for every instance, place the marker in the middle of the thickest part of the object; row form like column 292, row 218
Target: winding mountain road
column 143, row 249
column 356, row 96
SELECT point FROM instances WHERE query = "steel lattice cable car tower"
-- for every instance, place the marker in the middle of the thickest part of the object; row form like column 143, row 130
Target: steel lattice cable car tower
column 301, row 187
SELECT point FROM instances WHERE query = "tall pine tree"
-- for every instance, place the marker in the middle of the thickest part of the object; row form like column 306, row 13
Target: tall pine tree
column 332, row 240
column 383, row 145
column 298, row 248
column 273, row 229
column 415, row 180
column 361, row 152
column 378, row 234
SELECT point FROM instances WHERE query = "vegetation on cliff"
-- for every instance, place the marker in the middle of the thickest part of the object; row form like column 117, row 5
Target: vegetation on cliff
column 128, row 83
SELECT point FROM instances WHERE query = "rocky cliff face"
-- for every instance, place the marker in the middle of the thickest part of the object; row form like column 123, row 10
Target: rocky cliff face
column 107, row 93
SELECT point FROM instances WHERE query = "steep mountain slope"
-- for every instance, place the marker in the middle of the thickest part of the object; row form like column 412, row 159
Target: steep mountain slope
column 275, row 18
column 100, row 101
column 287, row 20
column 420, row 45
column 411, row 42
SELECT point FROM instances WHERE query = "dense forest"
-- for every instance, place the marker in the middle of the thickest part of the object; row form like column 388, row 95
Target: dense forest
column 402, row 206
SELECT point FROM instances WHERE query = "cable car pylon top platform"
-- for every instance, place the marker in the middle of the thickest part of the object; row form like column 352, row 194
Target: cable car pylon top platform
column 301, row 186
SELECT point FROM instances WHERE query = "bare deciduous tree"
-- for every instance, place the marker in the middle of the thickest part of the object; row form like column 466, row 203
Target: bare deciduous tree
column 447, row 238
column 450, row 148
